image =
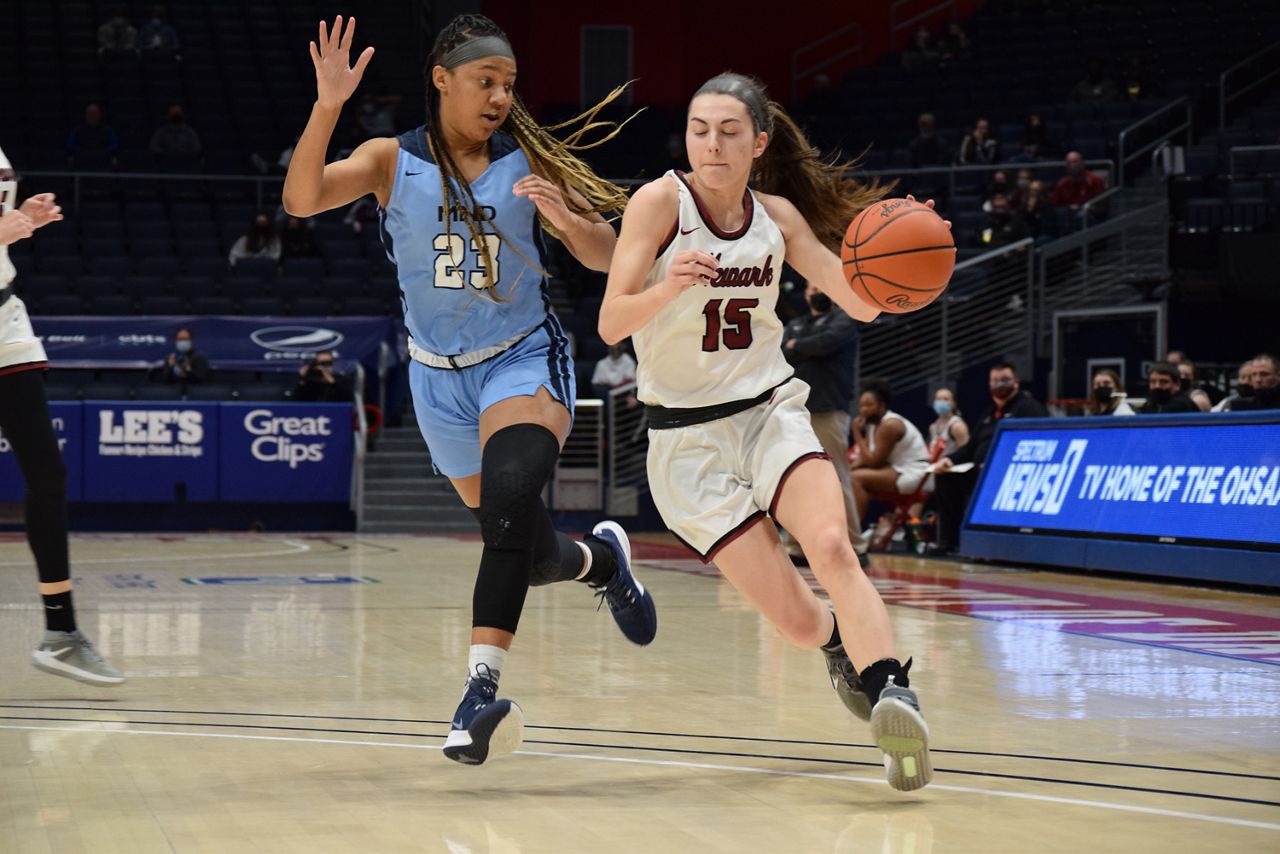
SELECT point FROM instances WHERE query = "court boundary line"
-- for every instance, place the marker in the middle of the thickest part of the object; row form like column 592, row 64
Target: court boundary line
column 707, row 766
column 302, row 548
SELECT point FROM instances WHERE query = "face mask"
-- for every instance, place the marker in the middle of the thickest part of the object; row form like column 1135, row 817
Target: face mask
column 1024, row 183
column 1102, row 394
column 1245, row 390
column 1160, row 395
column 820, row 303
column 942, row 408
column 176, row 118
column 183, row 346
column 1003, row 391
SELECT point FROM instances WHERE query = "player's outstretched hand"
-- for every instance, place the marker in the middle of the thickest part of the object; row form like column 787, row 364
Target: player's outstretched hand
column 691, row 267
column 336, row 79
column 14, row 226
column 42, row 209
column 548, row 198
column 929, row 205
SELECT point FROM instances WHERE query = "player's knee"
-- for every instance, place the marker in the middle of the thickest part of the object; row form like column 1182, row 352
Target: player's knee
column 516, row 464
column 804, row 627
column 48, row 480
column 829, row 549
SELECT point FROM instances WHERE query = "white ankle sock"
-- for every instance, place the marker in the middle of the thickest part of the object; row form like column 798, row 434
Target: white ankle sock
column 586, row 561
column 485, row 661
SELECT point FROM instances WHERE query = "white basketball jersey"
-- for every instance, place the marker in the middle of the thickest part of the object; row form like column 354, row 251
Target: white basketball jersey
column 910, row 453
column 719, row 342
column 8, row 198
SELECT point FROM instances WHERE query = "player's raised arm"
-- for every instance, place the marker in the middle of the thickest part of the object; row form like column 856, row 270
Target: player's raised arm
column 310, row 186
column 649, row 218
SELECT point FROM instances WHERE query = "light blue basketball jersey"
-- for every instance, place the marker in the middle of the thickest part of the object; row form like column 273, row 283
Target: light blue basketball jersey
column 441, row 275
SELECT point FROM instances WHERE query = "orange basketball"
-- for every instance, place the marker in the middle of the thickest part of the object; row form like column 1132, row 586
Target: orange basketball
column 898, row 255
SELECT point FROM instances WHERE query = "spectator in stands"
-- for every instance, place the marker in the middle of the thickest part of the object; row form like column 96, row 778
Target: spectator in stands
column 377, row 116
column 319, row 382
column 616, row 369
column 1033, row 210
column 979, row 147
column 1096, row 87
column 1242, row 391
column 952, row 489
column 1108, row 397
column 1076, row 187
column 926, row 148
column 921, row 53
column 176, row 136
column 822, row 346
column 185, row 364
column 954, row 46
column 94, row 136
column 999, row 185
column 1175, row 357
column 1264, row 378
column 1004, row 225
column 117, row 36
column 1021, row 188
column 157, row 35
column 296, row 240
column 259, row 242
column 362, row 214
column 1192, row 387
column 1164, row 391
column 892, row 457
column 949, row 429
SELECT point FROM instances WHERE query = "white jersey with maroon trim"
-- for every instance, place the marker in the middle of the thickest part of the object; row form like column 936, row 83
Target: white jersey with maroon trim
column 8, row 200
column 720, row 342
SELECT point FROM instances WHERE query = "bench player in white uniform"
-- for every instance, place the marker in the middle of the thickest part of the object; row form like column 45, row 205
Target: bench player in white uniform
column 694, row 281
column 25, row 425
column 892, row 455
column 463, row 202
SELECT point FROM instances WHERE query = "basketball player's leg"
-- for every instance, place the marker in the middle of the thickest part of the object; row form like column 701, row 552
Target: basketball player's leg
column 867, row 482
column 25, row 423
column 832, row 430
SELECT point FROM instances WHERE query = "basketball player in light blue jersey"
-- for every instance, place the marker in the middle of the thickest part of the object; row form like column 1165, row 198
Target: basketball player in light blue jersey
column 464, row 201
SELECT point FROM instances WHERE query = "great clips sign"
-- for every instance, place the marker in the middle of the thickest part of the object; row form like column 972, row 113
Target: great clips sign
column 285, row 452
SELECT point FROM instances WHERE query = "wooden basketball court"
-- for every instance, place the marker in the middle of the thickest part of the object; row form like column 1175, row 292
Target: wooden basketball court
column 290, row 694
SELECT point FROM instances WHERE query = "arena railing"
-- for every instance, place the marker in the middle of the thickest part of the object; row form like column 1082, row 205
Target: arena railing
column 902, row 19
column 1104, row 167
column 1238, row 150
column 1263, row 65
column 578, row 480
column 79, row 179
column 1166, row 123
column 626, row 472
column 361, row 448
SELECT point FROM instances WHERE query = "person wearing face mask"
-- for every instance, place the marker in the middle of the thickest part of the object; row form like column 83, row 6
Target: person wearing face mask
column 953, row 489
column 1076, row 187
column 1263, row 379
column 1107, row 396
column 176, row 136
column 949, row 429
column 1242, row 397
column 822, row 346
column 185, row 364
column 259, row 242
column 318, row 383
column 1164, row 391
column 1191, row 385
column 1004, row 224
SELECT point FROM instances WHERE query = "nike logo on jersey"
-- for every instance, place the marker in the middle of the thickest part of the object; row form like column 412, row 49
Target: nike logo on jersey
column 689, row 231
column 411, row 174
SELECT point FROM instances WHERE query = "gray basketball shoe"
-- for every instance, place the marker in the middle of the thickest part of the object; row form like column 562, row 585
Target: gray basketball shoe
column 72, row 655
column 900, row 732
column 844, row 678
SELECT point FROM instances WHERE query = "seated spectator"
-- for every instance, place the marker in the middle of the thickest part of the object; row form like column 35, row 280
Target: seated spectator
column 1108, row 397
column 616, row 369
column 176, row 136
column 954, row 45
column 949, row 430
column 1264, row 379
column 318, row 382
column 1096, row 87
column 892, row 457
column 1004, row 225
column 921, row 53
column 926, row 148
column 1035, row 138
column 377, row 116
column 1033, row 210
column 93, row 136
column 297, row 241
column 953, row 489
column 185, row 364
column 999, row 185
column 259, row 242
column 1244, row 390
column 157, row 35
column 1021, row 188
column 979, row 147
column 1076, row 187
column 1192, row 387
column 1175, row 357
column 117, row 36
column 1164, row 391
column 362, row 214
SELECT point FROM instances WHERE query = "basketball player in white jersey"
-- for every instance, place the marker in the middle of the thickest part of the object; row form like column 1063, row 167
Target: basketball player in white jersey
column 694, row 280
column 25, row 426
column 892, row 455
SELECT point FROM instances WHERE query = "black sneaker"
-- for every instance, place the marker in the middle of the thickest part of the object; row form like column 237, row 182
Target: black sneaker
column 483, row 726
column 632, row 606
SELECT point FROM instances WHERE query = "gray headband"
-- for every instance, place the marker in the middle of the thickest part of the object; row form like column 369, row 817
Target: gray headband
column 470, row 51
column 736, row 86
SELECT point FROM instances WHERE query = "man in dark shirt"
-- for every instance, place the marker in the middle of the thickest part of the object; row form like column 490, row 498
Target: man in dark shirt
column 1164, row 391
column 823, row 347
column 953, row 489
column 318, row 383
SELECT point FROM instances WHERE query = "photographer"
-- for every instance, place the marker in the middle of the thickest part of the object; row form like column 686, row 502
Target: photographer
column 185, row 364
column 317, row 382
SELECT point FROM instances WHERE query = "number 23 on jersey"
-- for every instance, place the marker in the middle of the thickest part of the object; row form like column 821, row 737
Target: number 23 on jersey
column 452, row 259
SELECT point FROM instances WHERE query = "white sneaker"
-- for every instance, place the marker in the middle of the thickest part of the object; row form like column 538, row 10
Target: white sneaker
column 71, row 655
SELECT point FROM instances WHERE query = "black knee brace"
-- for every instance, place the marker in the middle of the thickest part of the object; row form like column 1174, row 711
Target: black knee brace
column 516, row 465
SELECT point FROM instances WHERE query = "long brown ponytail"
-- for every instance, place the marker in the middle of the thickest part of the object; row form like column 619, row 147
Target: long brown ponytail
column 793, row 168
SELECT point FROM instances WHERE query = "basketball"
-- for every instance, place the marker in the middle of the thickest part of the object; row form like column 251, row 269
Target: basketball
column 898, row 255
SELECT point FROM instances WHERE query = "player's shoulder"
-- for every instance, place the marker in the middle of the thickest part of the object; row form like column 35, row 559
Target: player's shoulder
column 779, row 208
column 656, row 195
